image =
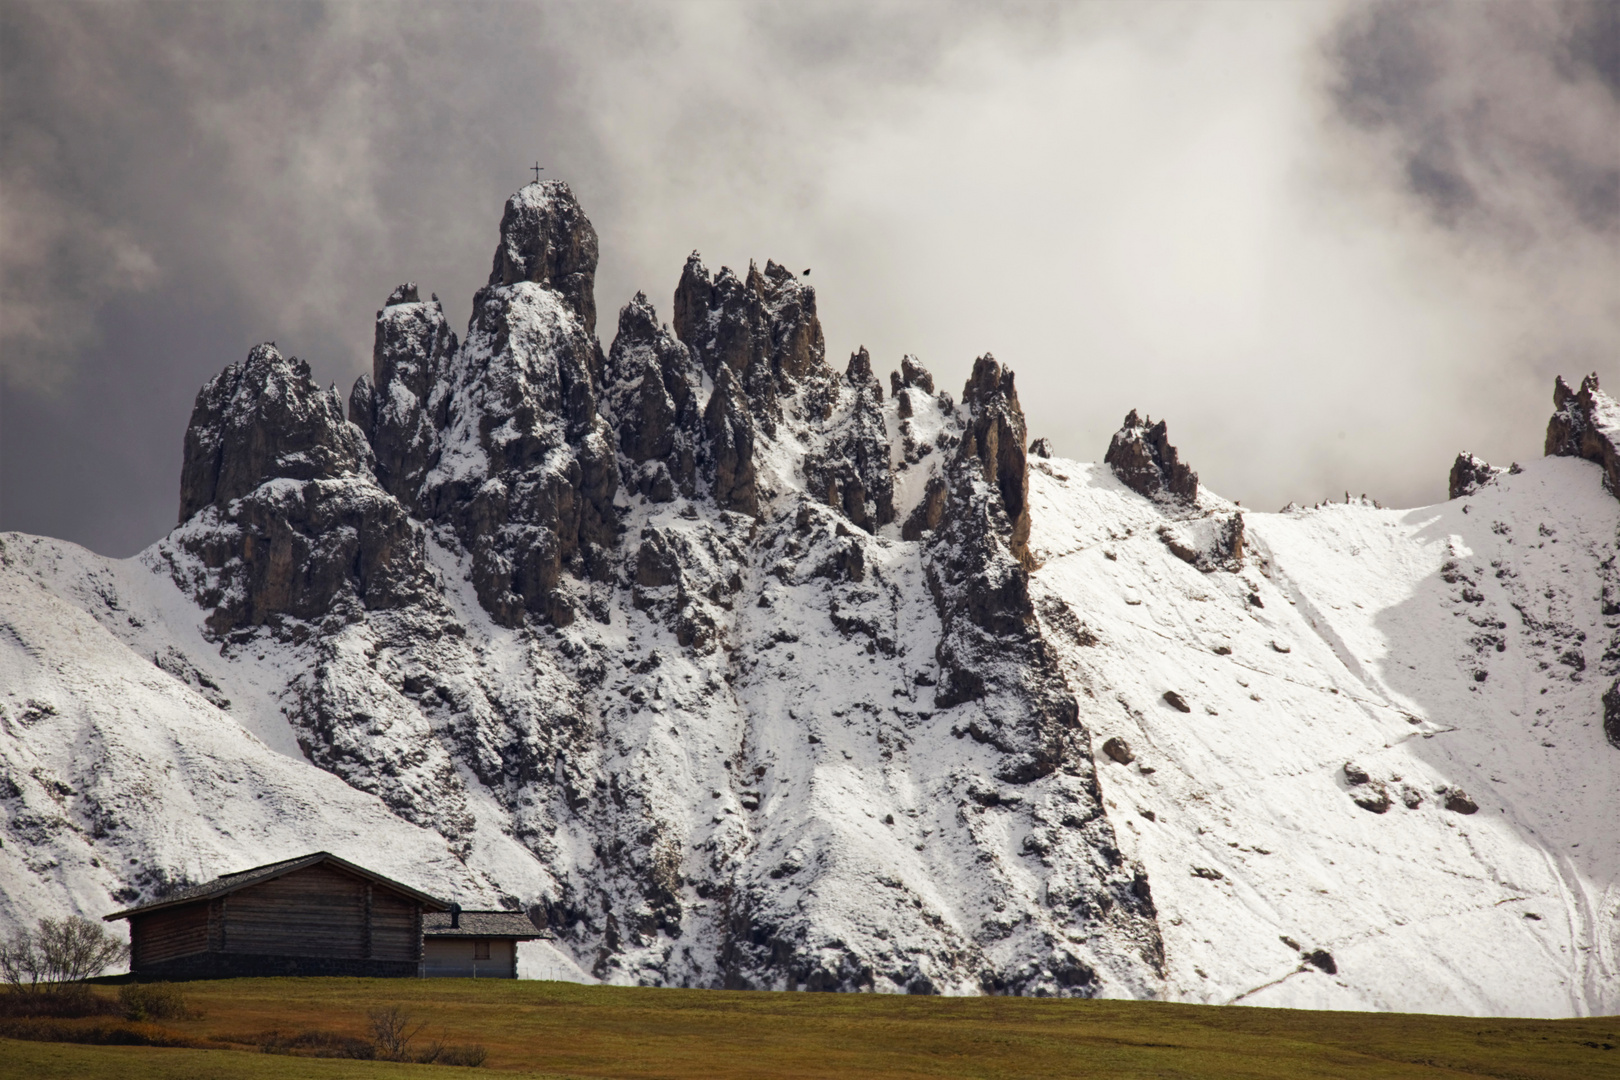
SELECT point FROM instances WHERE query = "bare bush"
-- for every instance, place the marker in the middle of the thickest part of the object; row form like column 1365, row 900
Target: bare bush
column 59, row 951
column 392, row 1030
column 470, row 1056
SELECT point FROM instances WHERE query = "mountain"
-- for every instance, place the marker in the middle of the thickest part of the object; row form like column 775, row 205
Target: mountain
column 737, row 670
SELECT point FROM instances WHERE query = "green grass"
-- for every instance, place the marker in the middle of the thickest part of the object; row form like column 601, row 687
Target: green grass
column 561, row 1030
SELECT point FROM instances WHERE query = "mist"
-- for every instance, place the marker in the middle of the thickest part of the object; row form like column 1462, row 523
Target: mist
column 1331, row 244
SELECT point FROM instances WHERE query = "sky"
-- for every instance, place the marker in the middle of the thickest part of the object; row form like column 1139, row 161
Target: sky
column 1332, row 244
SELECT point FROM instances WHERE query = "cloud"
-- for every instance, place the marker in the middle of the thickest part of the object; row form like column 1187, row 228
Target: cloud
column 1332, row 244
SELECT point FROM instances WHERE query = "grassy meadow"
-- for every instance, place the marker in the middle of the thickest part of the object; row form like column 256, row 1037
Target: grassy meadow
column 561, row 1030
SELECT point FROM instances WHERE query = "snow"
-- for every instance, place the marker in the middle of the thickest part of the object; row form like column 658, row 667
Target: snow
column 1359, row 651
column 1510, row 910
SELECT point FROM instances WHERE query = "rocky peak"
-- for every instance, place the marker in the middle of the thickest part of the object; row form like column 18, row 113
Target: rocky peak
column 1586, row 424
column 851, row 473
column 411, row 353
column 1469, row 474
column 547, row 239
column 651, row 398
column 764, row 328
column 995, row 436
column 1142, row 457
column 260, row 420
column 730, row 430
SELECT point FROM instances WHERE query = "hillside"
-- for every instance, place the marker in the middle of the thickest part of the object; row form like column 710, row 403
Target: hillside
column 735, row 670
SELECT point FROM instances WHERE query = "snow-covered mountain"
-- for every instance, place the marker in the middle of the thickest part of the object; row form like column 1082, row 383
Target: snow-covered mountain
column 737, row 670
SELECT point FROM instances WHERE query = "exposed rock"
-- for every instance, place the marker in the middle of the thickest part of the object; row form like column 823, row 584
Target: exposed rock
column 265, row 419
column 852, row 474
column 288, row 521
column 1210, row 542
column 995, row 436
column 527, row 471
column 1142, row 457
column 764, row 329
column 1177, row 702
column 1041, row 448
column 730, row 428
column 651, row 398
column 411, row 354
column 1469, row 474
column 928, row 513
column 1586, row 424
column 1611, row 714
column 1372, row 797
column 1119, row 750
column 1322, row 959
column 1458, row 802
column 547, row 239
column 1354, row 774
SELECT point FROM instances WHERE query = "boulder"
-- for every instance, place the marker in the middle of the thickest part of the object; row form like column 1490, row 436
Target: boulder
column 1119, row 750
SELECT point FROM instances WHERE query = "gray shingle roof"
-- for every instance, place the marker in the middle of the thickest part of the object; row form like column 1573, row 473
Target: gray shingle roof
column 481, row 924
column 241, row 879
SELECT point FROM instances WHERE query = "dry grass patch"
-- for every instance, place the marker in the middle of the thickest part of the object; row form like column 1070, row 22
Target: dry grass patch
column 560, row 1029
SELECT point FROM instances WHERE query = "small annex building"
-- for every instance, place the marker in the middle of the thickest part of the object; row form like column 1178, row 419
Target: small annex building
column 314, row 915
column 459, row 944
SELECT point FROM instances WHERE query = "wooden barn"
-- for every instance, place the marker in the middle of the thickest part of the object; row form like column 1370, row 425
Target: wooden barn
column 314, row 915
column 474, row 944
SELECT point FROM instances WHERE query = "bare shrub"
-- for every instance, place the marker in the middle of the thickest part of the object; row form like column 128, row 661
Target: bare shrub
column 471, row 1056
column 59, row 951
column 69, row 1001
column 392, row 1030
column 311, row 1042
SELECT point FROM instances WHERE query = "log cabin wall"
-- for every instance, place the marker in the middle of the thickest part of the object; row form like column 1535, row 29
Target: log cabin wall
column 315, row 921
column 165, row 935
column 312, row 912
column 395, row 934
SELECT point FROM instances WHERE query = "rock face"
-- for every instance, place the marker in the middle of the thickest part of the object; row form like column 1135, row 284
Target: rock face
column 261, row 420
column 411, row 354
column 547, row 240
column 1586, row 424
column 1469, row 474
column 618, row 607
column 279, row 506
column 1142, row 457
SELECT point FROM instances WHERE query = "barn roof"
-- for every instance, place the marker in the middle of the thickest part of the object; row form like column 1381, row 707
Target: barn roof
column 229, row 883
column 481, row 924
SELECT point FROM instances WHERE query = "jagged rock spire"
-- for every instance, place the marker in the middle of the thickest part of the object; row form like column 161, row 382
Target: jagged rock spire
column 260, row 420
column 1586, row 424
column 410, row 355
column 1469, row 474
column 1142, row 457
column 547, row 239
column 652, row 384
column 996, row 436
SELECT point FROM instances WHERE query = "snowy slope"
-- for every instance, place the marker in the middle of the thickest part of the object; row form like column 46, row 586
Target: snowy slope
column 736, row 670
column 1394, row 669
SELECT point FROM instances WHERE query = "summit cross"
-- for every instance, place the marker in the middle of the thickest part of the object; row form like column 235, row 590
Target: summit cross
column 537, row 169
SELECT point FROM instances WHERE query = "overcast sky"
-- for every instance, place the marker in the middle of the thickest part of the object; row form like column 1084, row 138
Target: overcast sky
column 1332, row 244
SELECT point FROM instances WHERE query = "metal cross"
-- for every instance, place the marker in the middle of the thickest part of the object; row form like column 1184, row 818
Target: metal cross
column 538, row 169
